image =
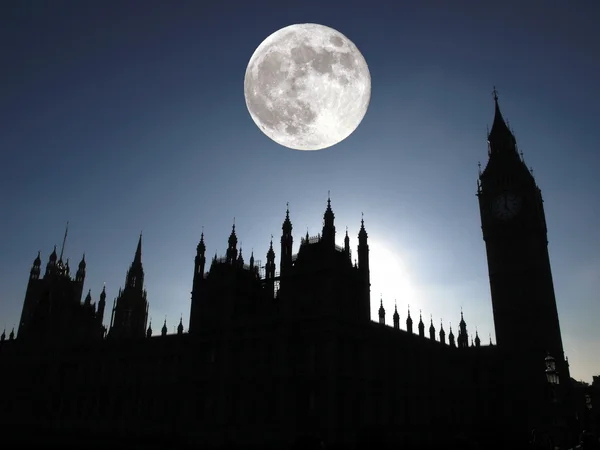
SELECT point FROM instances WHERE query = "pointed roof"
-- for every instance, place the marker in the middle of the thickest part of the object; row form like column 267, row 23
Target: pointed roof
column 201, row 245
column 500, row 137
column 287, row 223
column 53, row 255
column 138, row 252
column 38, row 260
column 362, row 233
column 271, row 252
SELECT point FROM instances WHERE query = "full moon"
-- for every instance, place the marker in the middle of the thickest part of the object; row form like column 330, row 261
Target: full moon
column 307, row 87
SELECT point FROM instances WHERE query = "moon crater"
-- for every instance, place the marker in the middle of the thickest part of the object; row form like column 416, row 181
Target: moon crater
column 307, row 87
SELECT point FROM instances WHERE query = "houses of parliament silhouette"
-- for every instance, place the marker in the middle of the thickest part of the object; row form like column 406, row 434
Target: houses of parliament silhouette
column 270, row 356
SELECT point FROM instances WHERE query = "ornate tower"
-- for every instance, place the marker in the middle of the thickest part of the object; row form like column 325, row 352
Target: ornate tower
column 363, row 267
column 515, row 235
column 232, row 252
column 198, row 284
column 286, row 245
column 130, row 313
column 522, row 290
column 328, row 235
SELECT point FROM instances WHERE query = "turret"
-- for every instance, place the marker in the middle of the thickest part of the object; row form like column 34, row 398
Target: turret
column 270, row 265
column 51, row 265
column 409, row 322
column 421, row 325
column 101, row 305
column 34, row 274
column 286, row 244
column 363, row 267
column 240, row 258
column 442, row 333
column 80, row 275
column 451, row 338
column 463, row 337
column 180, row 327
column 270, row 270
column 231, row 255
column 347, row 245
column 328, row 235
column 149, row 330
column 88, row 298
column 199, row 261
column 163, row 331
column 477, row 340
column 396, row 317
column 431, row 330
column 381, row 313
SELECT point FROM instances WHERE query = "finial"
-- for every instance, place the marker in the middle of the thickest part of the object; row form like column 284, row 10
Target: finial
column 328, row 195
column 495, row 94
column 287, row 205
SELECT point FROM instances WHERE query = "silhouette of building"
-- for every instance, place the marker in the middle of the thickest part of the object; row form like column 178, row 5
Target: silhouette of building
column 272, row 356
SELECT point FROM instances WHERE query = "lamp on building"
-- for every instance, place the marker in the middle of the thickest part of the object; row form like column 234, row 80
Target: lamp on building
column 551, row 373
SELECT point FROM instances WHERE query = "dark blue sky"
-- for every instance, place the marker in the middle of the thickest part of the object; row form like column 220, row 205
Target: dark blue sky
column 128, row 116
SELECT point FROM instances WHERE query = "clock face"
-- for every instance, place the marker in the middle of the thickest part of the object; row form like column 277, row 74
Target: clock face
column 506, row 206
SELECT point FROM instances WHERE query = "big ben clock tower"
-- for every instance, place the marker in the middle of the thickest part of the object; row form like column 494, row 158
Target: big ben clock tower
column 515, row 235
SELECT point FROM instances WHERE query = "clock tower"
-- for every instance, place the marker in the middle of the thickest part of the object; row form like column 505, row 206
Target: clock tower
column 515, row 235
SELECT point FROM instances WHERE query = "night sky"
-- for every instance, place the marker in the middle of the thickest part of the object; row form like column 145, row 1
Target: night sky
column 129, row 116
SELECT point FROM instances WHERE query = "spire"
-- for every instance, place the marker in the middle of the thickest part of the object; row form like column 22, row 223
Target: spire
column 409, row 322
column 442, row 332
column 149, row 330
column 232, row 248
column 477, row 340
column 82, row 263
column 201, row 245
column 88, row 298
column 164, row 328
column 396, row 316
column 138, row 252
column 431, row 329
column 38, row 260
column 180, row 326
column 64, row 242
column 53, row 256
column 328, row 234
column 500, row 137
column 421, row 325
column 362, row 234
column 287, row 223
column 381, row 312
column 271, row 252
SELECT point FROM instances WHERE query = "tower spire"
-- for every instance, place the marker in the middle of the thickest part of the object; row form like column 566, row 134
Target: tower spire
column 138, row 251
column 500, row 137
column 64, row 242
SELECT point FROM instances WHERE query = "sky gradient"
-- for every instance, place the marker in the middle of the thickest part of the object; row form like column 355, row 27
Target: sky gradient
column 122, row 117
